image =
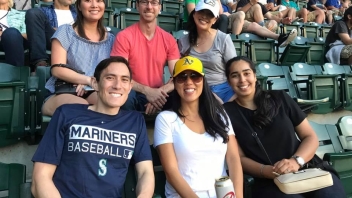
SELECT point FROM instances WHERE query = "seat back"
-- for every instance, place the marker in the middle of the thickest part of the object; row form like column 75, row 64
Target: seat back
column 325, row 30
column 128, row 16
column 168, row 22
column 297, row 25
column 108, row 17
column 12, row 176
column 239, row 45
column 294, row 54
column 179, row 34
column 14, row 102
column 278, row 76
column 325, row 143
column 330, row 68
column 262, row 51
column 316, row 53
column 300, row 76
column 347, row 91
column 119, row 4
column 311, row 31
column 325, row 86
column 344, row 125
column 173, row 7
column 43, row 74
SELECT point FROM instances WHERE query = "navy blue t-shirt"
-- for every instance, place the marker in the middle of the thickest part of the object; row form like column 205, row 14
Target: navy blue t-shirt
column 314, row 2
column 92, row 151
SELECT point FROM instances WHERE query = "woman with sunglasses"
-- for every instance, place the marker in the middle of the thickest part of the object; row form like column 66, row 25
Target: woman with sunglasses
column 213, row 47
column 75, row 52
column 13, row 37
column 195, row 138
column 276, row 119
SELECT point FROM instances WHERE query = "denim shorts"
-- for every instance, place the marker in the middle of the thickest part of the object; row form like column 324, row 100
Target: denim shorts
column 224, row 91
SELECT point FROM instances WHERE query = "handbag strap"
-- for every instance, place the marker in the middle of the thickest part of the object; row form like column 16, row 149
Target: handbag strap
column 254, row 134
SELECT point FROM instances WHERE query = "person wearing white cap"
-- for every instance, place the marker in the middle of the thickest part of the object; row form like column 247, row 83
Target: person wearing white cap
column 213, row 47
column 222, row 20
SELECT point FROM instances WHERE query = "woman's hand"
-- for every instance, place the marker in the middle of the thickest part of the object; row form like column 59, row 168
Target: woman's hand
column 80, row 90
column 285, row 166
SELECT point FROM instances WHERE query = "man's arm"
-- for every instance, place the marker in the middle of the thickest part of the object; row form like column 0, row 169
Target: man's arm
column 42, row 181
column 145, row 184
column 244, row 6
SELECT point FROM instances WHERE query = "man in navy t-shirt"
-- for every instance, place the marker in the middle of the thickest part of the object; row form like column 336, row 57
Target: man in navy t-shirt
column 86, row 150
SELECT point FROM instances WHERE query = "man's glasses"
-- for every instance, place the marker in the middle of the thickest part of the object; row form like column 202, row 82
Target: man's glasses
column 153, row 3
column 195, row 77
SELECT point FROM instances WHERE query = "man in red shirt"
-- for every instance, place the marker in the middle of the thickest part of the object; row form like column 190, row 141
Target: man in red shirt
column 147, row 47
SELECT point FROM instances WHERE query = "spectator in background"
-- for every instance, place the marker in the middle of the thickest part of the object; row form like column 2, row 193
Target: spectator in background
column 195, row 138
column 307, row 16
column 339, row 41
column 41, row 25
column 213, row 47
column 147, row 47
column 81, row 47
column 316, row 5
column 222, row 19
column 13, row 37
column 255, row 12
column 72, row 160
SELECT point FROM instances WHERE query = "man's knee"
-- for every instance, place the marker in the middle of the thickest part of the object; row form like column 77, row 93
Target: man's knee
column 11, row 34
column 223, row 18
column 33, row 14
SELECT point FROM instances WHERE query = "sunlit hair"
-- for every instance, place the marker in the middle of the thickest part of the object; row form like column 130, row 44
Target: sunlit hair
column 214, row 118
column 267, row 103
column 80, row 20
column 106, row 62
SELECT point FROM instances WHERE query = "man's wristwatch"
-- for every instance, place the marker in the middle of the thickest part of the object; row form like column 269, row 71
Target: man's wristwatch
column 300, row 161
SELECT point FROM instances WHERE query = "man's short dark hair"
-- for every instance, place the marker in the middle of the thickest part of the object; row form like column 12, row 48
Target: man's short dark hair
column 348, row 11
column 106, row 62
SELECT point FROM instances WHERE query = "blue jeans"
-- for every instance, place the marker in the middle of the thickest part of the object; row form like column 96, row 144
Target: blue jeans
column 224, row 91
column 39, row 33
column 137, row 101
column 13, row 44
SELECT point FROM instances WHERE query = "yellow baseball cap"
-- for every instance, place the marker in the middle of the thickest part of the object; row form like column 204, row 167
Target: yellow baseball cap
column 188, row 63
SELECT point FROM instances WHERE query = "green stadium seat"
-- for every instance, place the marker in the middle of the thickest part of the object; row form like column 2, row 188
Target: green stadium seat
column 347, row 91
column 323, row 86
column 12, row 176
column 14, row 103
column 167, row 21
column 344, row 125
column 325, row 30
column 263, row 82
column 160, row 177
column 108, row 17
column 294, row 54
column 330, row 68
column 312, row 30
column 296, row 25
column 119, row 4
column 127, row 17
column 239, row 45
column 43, row 74
column 179, row 34
column 262, row 51
column 316, row 53
column 172, row 6
column 331, row 150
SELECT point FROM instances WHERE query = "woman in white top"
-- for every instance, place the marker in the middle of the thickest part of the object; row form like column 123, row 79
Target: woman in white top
column 195, row 139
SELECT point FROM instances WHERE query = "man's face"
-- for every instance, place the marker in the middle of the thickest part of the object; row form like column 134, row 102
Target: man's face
column 148, row 10
column 114, row 86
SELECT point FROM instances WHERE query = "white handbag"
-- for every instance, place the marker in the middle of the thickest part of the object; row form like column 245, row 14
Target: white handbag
column 302, row 181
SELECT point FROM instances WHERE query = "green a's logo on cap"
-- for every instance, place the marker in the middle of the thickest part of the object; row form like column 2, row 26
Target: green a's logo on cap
column 187, row 61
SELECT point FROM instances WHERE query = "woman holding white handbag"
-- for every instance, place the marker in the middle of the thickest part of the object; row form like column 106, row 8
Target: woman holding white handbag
column 269, row 120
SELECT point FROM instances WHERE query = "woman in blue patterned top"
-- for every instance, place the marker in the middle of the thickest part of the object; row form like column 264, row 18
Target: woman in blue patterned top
column 80, row 47
column 13, row 37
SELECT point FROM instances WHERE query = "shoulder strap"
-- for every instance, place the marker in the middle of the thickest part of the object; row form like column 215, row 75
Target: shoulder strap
column 254, row 134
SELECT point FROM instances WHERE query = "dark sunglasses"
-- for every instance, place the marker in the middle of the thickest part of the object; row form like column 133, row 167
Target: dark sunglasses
column 195, row 77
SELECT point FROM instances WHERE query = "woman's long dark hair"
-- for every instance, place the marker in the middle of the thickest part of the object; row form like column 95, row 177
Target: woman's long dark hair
column 80, row 20
column 267, row 103
column 192, row 29
column 210, row 110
